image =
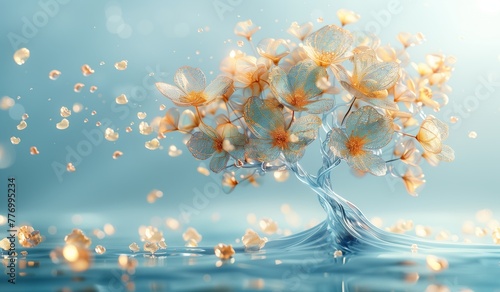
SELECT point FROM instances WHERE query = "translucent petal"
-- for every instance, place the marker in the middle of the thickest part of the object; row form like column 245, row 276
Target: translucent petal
column 320, row 106
column 201, row 146
column 294, row 155
column 337, row 143
column 447, row 154
column 386, row 102
column 209, row 131
column 279, row 85
column 306, row 128
column 429, row 134
column 375, row 128
column 230, row 132
column 368, row 162
column 328, row 44
column 170, row 121
column 217, row 88
column 172, row 92
column 190, row 79
column 273, row 49
column 300, row 31
column 363, row 58
column 261, row 118
column 188, row 121
column 380, row 76
column 347, row 16
column 261, row 150
column 219, row 161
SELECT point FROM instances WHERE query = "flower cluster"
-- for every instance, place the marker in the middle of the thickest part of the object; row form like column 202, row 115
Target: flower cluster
column 265, row 108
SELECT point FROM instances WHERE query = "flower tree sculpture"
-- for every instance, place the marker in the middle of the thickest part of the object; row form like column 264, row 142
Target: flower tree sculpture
column 264, row 110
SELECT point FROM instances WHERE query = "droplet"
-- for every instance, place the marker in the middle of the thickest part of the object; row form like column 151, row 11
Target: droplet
column 99, row 249
column 65, row 112
column 22, row 125
column 86, row 70
column 34, row 150
column 70, row 167
column 78, row 87
column 21, row 56
column 191, row 234
column 122, row 65
column 121, row 99
column 111, row 135
column 224, row 251
column 15, row 140
column 54, row 74
column 63, row 124
column 152, row 144
column 173, row 151
column 268, row 226
column 27, row 236
column 472, row 135
column 117, row 154
column 134, row 247
column 93, row 89
column 141, row 115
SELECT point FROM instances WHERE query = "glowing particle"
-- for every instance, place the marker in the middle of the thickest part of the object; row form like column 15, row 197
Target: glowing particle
column 480, row 232
column 3, row 220
column 484, row 215
column 121, row 99
column 98, row 124
column 99, row 249
column 22, row 125
column 319, row 19
column 134, row 247
column 63, row 124
column 128, row 129
column 78, row 87
column 197, row 52
column 141, row 115
column 423, row 231
column 27, row 236
column 162, row 244
column 251, row 218
column 268, row 226
column 6, row 103
column 102, row 63
column 151, row 247
column 224, row 251
column 93, row 89
column 70, row 167
column 281, row 176
column 203, row 170
column 436, row 264
column 64, row 112
column 77, row 256
column 414, row 248
column 93, row 113
column 86, row 70
column 150, row 233
column 21, row 56
column 153, row 196
column 77, row 107
column 162, row 107
column 152, row 144
column 15, row 140
column 252, row 241
column 145, row 128
column 240, row 43
column 173, row 151
column 172, row 223
column 377, row 222
column 77, row 237
column 472, row 135
column 191, row 243
column 34, row 150
column 454, row 119
column 496, row 235
column 200, row 30
column 5, row 244
column 54, row 74
column 127, row 263
column 109, row 229
column 122, row 65
column 191, row 234
column 111, row 135
column 117, row 154
column 337, row 254
column 99, row 233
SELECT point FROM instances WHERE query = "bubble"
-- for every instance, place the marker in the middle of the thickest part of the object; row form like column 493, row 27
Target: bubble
column 16, row 111
column 121, row 99
column 54, row 74
column 113, row 23
column 21, row 56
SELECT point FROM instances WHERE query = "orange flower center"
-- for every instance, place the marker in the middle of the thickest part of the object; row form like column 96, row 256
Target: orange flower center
column 219, row 145
column 299, row 99
column 355, row 145
column 196, row 97
column 280, row 138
